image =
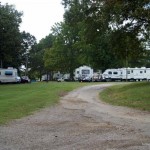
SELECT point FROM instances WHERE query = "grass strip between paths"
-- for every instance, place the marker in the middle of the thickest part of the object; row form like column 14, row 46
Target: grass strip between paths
column 134, row 95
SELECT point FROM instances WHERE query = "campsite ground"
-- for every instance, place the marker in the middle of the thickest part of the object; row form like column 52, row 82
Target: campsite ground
column 79, row 121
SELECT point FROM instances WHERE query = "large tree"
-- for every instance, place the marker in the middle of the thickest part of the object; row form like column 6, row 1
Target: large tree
column 93, row 32
column 65, row 55
column 66, row 48
column 112, row 30
column 10, row 36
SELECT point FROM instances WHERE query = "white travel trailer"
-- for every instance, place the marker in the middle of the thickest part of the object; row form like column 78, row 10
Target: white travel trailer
column 83, row 73
column 112, row 74
column 9, row 75
column 137, row 74
column 128, row 74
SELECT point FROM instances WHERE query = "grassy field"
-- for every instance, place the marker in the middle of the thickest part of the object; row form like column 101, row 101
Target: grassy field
column 18, row 100
column 135, row 95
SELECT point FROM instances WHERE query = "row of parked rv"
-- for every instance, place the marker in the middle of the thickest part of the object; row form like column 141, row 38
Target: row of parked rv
column 85, row 73
column 10, row 75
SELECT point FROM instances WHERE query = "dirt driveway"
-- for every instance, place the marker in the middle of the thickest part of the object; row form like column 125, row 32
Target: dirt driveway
column 80, row 122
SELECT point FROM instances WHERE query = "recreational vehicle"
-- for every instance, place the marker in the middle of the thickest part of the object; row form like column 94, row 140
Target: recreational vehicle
column 112, row 75
column 136, row 74
column 9, row 75
column 128, row 74
column 83, row 73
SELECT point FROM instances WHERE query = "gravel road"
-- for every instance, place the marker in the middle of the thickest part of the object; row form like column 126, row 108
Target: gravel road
column 79, row 122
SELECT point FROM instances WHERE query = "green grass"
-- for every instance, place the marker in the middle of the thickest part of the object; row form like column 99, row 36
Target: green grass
column 135, row 95
column 18, row 100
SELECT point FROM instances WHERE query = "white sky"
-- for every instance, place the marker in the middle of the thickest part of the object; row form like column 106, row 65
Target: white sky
column 38, row 15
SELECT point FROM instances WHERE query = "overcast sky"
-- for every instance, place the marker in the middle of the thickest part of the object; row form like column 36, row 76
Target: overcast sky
column 38, row 15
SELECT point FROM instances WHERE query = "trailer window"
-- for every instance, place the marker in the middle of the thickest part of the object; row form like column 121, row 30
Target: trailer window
column 131, row 71
column 85, row 71
column 128, row 72
column 0, row 72
column 109, row 72
column 8, row 73
column 77, row 72
column 141, row 71
column 115, row 72
column 144, row 71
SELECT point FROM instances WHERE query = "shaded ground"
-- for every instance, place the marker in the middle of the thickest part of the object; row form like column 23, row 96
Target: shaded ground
column 80, row 121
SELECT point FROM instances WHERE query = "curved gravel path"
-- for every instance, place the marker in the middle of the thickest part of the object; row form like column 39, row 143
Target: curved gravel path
column 80, row 122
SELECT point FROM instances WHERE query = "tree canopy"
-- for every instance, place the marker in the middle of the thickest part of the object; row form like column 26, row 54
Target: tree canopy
column 14, row 45
column 113, row 32
column 10, row 37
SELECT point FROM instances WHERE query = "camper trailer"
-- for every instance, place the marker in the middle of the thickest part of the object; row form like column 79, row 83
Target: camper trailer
column 9, row 75
column 112, row 75
column 136, row 74
column 83, row 73
column 127, row 74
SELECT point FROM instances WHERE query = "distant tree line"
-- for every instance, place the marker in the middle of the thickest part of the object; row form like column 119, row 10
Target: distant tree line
column 100, row 33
